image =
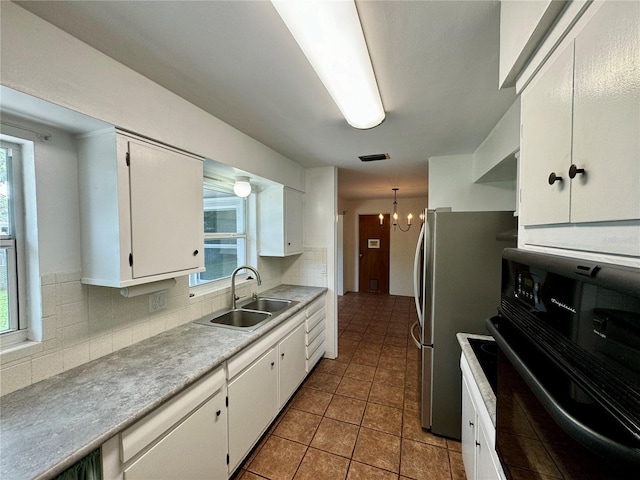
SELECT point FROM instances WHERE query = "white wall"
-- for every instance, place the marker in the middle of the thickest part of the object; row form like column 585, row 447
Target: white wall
column 451, row 185
column 77, row 323
column 402, row 244
column 43, row 61
column 502, row 142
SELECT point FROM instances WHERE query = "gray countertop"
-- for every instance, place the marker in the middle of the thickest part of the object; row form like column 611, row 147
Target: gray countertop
column 476, row 370
column 48, row 426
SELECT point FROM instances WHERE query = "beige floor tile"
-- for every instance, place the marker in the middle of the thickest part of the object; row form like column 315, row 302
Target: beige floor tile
column 378, row 449
column 412, row 430
column 387, row 395
column 337, row 437
column 351, row 387
column 365, row 358
column 389, row 376
column 360, row 471
column 319, row 465
column 298, row 426
column 384, row 418
column 360, row 372
column 456, row 465
column 454, row 445
column 323, row 381
column 311, row 400
column 246, row 475
column 424, row 462
column 346, row 409
column 278, row 459
column 332, row 367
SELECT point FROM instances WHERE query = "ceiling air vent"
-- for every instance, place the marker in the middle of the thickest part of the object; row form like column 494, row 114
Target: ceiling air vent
column 375, row 157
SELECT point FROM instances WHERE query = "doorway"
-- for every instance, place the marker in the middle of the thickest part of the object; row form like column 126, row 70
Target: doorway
column 374, row 254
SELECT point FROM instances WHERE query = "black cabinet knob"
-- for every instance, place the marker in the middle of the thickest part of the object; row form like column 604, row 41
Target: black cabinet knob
column 195, row 252
column 282, row 354
column 218, row 413
column 553, row 178
column 273, row 363
column 470, row 423
column 573, row 171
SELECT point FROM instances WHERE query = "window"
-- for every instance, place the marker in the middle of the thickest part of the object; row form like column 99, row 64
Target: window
column 9, row 193
column 225, row 234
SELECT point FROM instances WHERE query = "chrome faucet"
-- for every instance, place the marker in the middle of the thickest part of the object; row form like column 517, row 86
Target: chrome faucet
column 233, row 282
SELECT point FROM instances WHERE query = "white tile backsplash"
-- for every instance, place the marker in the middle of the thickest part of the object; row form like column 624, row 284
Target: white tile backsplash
column 83, row 322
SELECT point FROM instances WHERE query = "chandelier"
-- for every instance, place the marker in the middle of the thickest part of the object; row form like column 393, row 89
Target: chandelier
column 394, row 215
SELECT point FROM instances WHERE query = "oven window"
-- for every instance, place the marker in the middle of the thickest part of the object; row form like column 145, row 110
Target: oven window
column 529, row 442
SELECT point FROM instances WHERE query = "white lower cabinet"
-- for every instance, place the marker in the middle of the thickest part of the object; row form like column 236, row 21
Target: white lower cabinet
column 195, row 449
column 292, row 369
column 478, row 433
column 184, row 438
column 253, row 400
column 258, row 389
column 208, row 430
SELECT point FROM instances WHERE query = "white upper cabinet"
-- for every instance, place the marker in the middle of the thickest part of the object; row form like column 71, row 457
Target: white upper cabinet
column 545, row 148
column 580, row 124
column 140, row 208
column 606, row 116
column 280, row 222
column 523, row 25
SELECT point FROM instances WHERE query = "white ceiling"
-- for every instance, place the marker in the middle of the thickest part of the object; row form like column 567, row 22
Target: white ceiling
column 436, row 64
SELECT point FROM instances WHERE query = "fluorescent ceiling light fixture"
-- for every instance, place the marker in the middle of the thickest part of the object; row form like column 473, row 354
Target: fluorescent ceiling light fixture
column 242, row 187
column 330, row 35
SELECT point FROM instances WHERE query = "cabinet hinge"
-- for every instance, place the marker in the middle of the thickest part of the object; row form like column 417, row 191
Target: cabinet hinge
column 227, row 459
column 128, row 159
column 131, row 259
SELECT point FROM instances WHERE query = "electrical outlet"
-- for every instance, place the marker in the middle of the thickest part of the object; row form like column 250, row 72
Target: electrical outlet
column 323, row 269
column 157, row 301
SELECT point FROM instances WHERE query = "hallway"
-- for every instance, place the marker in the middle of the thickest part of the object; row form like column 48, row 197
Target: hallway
column 357, row 417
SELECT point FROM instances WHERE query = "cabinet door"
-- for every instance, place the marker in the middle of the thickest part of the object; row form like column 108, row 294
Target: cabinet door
column 195, row 449
column 486, row 469
column 166, row 210
column 546, row 144
column 292, row 368
column 293, row 221
column 606, row 121
column 253, row 403
column 469, row 421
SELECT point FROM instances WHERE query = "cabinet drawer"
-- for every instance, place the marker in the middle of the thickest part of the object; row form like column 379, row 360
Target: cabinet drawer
column 137, row 437
column 316, row 356
column 315, row 319
column 243, row 359
column 315, row 306
column 311, row 348
column 313, row 334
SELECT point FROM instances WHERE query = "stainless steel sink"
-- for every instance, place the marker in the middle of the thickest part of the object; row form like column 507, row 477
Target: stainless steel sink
column 267, row 305
column 249, row 316
column 238, row 318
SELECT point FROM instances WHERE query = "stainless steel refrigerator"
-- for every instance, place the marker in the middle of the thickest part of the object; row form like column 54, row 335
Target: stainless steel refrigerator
column 457, row 273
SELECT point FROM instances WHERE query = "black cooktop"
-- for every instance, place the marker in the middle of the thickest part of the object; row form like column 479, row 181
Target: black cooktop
column 486, row 352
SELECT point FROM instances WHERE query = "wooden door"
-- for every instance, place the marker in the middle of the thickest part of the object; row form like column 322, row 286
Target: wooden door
column 374, row 254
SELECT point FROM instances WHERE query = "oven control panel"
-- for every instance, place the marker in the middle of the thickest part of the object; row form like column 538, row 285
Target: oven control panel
column 526, row 288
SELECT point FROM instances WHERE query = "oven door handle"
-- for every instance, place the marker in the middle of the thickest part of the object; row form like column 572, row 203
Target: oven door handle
column 580, row 432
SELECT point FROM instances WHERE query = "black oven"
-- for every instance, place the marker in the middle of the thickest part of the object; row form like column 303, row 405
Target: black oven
column 568, row 388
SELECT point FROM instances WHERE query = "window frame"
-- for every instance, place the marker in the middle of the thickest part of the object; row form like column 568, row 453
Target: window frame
column 243, row 217
column 13, row 243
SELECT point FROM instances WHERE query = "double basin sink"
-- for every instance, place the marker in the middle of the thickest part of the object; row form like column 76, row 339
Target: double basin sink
column 249, row 316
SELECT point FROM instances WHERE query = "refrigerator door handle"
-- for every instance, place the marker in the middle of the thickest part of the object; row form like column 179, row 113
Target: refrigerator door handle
column 416, row 276
column 416, row 342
